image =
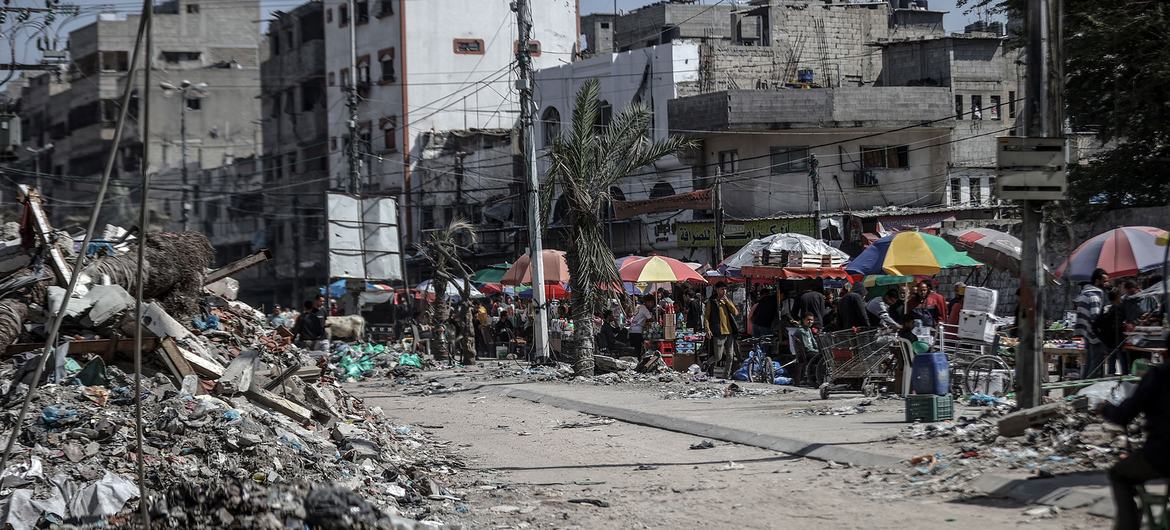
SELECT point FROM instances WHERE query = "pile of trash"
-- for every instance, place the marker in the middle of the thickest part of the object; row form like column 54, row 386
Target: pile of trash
column 241, row 428
column 1071, row 441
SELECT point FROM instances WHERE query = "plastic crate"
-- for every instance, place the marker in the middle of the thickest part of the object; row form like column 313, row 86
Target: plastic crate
column 929, row 408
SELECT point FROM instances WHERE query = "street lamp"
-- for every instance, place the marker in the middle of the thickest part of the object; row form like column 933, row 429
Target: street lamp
column 37, row 161
column 188, row 91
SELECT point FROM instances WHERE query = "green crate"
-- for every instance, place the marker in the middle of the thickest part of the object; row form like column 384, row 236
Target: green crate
column 929, row 408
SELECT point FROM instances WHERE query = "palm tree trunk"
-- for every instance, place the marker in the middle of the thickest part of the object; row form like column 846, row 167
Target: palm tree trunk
column 583, row 336
column 585, row 283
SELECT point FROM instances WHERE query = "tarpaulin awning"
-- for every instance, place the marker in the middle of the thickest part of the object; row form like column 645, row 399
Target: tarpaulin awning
column 794, row 273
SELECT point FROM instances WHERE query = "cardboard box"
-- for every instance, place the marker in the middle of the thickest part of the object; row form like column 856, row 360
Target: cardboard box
column 977, row 325
column 980, row 299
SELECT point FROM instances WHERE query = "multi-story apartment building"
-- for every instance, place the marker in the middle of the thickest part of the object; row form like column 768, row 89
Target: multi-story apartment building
column 216, row 43
column 296, row 146
column 426, row 68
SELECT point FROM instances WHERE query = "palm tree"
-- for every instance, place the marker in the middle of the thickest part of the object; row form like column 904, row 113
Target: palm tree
column 442, row 250
column 586, row 161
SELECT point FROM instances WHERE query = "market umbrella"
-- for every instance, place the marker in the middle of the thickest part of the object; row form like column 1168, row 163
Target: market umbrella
column 453, row 289
column 751, row 253
column 1125, row 251
column 992, row 247
column 658, row 269
column 552, row 291
column 556, row 269
column 909, row 254
column 491, row 274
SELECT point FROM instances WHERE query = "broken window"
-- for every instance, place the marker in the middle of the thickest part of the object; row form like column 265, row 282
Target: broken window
column 178, row 57
column 194, row 103
column 728, row 162
column 385, row 8
column 994, row 109
column 386, row 60
column 343, row 15
column 274, row 43
column 956, row 191
column 312, row 95
column 192, row 8
column 888, row 157
column 959, row 110
column 361, row 10
column 115, row 61
column 789, row 159
column 977, row 107
column 550, row 121
column 274, row 111
column 976, row 190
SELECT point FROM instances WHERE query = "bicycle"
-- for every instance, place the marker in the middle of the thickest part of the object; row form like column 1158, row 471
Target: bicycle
column 760, row 368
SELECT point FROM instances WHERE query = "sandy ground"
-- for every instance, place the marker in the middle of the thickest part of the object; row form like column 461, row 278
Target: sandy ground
column 524, row 471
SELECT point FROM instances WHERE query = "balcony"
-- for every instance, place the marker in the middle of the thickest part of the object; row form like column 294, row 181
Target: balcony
column 816, row 108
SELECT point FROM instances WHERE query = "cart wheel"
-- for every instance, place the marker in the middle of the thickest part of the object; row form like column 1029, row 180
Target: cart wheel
column 824, row 390
column 977, row 375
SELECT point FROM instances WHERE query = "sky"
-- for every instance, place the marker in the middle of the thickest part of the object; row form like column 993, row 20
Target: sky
column 26, row 47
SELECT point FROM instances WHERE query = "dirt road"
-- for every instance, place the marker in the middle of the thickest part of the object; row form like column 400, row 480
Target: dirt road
column 526, row 470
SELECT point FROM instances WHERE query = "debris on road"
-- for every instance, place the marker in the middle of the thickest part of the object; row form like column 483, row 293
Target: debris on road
column 705, row 444
column 241, row 427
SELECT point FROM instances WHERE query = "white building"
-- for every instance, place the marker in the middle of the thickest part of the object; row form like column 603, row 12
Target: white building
column 652, row 76
column 429, row 66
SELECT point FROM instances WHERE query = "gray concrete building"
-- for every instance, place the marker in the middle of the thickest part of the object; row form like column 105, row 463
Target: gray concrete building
column 984, row 79
column 598, row 31
column 215, row 43
column 296, row 152
column 672, row 20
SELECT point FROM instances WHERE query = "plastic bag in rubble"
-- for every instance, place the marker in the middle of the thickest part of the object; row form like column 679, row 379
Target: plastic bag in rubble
column 355, row 367
column 1107, row 392
column 410, row 359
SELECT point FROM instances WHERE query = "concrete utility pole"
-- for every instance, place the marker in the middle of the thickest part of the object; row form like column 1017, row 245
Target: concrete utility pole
column 527, row 111
column 815, row 179
column 718, row 207
column 187, row 91
column 1043, row 118
column 351, row 102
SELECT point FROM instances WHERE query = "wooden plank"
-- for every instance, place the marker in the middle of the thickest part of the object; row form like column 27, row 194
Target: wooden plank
column 173, row 359
column 275, row 403
column 44, row 232
column 97, row 346
column 244, row 263
column 207, row 369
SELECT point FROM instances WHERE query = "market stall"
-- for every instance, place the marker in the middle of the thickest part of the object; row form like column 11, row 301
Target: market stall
column 667, row 332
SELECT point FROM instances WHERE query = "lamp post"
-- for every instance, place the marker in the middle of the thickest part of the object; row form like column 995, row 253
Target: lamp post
column 37, row 161
column 187, row 91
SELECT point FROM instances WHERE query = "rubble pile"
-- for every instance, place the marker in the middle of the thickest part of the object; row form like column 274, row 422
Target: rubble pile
column 241, row 428
column 1073, row 441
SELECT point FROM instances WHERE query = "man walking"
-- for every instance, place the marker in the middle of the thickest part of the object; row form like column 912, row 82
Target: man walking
column 851, row 309
column 719, row 323
column 1089, row 304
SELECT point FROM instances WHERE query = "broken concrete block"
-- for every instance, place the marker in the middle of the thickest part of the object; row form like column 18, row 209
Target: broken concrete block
column 227, row 288
column 76, row 307
column 237, row 377
column 108, row 301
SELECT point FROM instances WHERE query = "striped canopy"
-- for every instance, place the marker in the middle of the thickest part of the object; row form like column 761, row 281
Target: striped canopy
column 658, row 269
column 909, row 254
column 1125, row 251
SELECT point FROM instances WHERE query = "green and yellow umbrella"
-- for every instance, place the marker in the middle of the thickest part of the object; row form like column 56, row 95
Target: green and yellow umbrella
column 909, row 254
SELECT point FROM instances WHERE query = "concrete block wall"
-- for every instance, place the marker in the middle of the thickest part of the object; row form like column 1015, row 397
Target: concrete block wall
column 644, row 26
column 729, row 67
column 848, row 32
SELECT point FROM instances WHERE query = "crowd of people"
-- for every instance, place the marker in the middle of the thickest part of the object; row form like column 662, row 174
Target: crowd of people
column 1104, row 312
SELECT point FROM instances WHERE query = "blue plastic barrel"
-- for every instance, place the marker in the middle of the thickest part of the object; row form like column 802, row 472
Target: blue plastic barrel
column 930, row 374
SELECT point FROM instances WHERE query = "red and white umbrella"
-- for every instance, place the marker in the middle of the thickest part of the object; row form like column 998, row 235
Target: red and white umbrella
column 1125, row 251
column 556, row 269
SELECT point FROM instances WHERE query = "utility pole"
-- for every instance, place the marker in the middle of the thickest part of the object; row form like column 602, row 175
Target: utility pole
column 527, row 111
column 351, row 102
column 1044, row 118
column 185, row 202
column 718, row 206
column 815, row 178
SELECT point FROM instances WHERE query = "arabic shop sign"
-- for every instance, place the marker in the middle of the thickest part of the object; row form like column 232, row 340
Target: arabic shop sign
column 701, row 234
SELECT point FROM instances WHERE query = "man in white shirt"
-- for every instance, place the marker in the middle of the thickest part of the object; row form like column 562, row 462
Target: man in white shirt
column 642, row 316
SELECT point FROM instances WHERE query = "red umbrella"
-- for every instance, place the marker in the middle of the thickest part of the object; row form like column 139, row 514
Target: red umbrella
column 1125, row 251
column 556, row 269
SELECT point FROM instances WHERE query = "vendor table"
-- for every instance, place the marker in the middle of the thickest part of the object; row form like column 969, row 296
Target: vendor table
column 1062, row 356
